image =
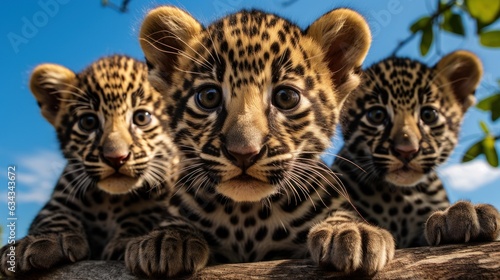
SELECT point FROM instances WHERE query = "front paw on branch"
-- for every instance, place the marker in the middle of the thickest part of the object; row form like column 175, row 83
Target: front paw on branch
column 166, row 252
column 463, row 222
column 351, row 247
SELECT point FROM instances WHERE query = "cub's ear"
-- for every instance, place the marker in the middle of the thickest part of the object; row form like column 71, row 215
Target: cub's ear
column 47, row 83
column 165, row 33
column 345, row 38
column 463, row 71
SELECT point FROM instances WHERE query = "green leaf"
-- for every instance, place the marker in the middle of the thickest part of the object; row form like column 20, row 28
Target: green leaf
column 489, row 151
column 491, row 104
column 487, row 103
column 453, row 23
column 473, row 152
column 495, row 109
column 484, row 127
column 426, row 42
column 442, row 4
column 490, row 38
column 485, row 11
column 420, row 24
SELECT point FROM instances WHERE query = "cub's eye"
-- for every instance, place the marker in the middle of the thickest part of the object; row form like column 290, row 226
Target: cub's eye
column 209, row 98
column 142, row 118
column 376, row 115
column 285, row 98
column 88, row 122
column 429, row 115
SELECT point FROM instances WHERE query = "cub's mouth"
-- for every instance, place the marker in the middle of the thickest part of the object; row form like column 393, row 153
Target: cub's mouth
column 246, row 188
column 118, row 183
column 405, row 176
column 244, row 177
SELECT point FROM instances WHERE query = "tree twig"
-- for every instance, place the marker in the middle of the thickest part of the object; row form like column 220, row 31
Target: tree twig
column 120, row 8
column 433, row 17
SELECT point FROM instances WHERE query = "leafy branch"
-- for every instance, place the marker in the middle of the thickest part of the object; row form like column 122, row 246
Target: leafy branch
column 486, row 145
column 449, row 17
column 424, row 23
column 123, row 8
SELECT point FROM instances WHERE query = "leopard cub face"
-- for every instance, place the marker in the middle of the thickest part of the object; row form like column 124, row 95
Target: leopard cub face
column 254, row 98
column 404, row 119
column 109, row 123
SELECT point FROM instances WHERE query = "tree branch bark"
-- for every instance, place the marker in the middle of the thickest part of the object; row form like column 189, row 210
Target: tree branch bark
column 465, row 261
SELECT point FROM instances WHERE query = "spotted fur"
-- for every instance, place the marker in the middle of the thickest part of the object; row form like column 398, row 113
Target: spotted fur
column 111, row 127
column 400, row 125
column 254, row 100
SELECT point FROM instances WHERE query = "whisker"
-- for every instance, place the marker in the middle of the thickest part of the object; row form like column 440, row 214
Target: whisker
column 204, row 63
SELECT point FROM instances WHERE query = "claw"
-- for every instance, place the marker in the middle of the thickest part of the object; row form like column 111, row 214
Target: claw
column 467, row 234
column 71, row 256
column 438, row 237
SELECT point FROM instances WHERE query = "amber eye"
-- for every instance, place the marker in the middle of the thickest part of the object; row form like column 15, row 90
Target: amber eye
column 429, row 115
column 285, row 98
column 142, row 118
column 376, row 115
column 88, row 122
column 209, row 98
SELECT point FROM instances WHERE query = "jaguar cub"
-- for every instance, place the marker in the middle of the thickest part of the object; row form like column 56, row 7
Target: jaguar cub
column 111, row 129
column 400, row 124
column 254, row 101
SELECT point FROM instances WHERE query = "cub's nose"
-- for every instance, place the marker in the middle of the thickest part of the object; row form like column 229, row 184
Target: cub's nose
column 116, row 160
column 406, row 152
column 243, row 157
column 243, row 160
column 406, row 145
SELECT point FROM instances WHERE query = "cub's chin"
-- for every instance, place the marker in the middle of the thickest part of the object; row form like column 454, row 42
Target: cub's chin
column 246, row 189
column 119, row 184
column 404, row 178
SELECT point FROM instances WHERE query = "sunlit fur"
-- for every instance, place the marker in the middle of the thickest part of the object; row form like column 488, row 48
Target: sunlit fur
column 247, row 71
column 98, row 206
column 247, row 76
column 265, row 209
column 391, row 190
column 112, row 89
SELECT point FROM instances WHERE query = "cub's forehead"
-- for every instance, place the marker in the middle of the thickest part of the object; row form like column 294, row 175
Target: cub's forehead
column 115, row 64
column 114, row 76
column 251, row 22
column 399, row 78
column 399, row 70
column 254, row 26
column 258, row 43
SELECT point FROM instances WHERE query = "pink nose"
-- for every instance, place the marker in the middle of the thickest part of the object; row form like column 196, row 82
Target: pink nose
column 243, row 160
column 117, row 161
column 243, row 157
column 406, row 152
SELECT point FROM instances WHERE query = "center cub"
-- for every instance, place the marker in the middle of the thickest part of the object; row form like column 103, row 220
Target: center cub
column 254, row 100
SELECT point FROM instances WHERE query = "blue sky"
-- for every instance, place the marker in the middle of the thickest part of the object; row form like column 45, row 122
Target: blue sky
column 75, row 33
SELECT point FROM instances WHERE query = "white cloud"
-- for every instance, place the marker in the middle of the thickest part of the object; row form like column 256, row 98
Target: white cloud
column 37, row 175
column 469, row 176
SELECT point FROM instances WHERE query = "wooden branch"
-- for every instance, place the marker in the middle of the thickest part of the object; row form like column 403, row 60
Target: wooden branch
column 471, row 261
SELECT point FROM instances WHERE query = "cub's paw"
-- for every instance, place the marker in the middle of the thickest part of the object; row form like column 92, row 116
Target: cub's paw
column 166, row 252
column 43, row 252
column 351, row 247
column 463, row 222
